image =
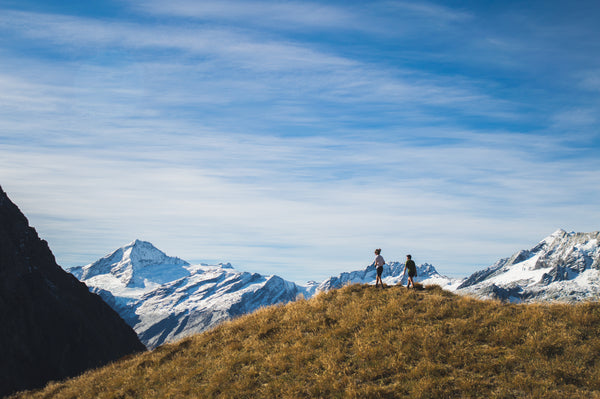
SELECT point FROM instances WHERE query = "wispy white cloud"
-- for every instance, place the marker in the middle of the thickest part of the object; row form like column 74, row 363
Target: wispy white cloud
column 382, row 17
column 431, row 11
column 282, row 15
column 576, row 118
column 589, row 80
column 247, row 196
column 81, row 35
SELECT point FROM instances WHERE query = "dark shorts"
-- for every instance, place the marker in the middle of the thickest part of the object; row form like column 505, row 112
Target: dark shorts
column 411, row 274
column 379, row 270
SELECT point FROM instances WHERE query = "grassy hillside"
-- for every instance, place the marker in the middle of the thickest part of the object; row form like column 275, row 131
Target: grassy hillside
column 363, row 342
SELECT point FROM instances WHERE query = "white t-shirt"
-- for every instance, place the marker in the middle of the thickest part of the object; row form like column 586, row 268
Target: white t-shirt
column 379, row 260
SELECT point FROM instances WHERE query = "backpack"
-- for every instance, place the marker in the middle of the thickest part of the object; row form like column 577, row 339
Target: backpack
column 412, row 267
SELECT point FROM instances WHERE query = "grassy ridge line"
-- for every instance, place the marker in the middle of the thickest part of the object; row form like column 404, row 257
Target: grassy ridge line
column 362, row 342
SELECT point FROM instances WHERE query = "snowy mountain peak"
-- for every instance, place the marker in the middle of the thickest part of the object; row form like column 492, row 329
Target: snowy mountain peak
column 556, row 237
column 135, row 264
column 559, row 233
column 142, row 253
column 164, row 298
column 564, row 266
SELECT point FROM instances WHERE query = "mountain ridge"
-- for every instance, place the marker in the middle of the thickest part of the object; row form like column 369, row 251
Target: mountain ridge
column 392, row 275
column 182, row 299
column 130, row 264
column 165, row 302
column 563, row 266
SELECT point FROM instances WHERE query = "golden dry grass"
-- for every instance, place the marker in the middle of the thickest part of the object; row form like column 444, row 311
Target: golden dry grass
column 362, row 342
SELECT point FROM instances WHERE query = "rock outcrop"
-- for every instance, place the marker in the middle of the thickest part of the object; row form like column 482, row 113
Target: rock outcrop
column 51, row 326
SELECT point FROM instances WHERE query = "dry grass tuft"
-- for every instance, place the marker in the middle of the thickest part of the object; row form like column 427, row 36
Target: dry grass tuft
column 359, row 342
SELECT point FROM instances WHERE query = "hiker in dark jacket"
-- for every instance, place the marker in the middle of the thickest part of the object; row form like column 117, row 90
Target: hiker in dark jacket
column 412, row 271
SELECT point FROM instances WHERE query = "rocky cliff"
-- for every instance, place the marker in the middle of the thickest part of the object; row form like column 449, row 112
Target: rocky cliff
column 51, row 326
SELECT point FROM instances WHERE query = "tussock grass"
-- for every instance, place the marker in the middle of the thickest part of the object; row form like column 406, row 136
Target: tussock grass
column 362, row 342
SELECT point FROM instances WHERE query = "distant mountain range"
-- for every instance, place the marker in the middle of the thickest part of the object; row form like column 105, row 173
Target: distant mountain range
column 392, row 275
column 52, row 327
column 165, row 298
column 562, row 267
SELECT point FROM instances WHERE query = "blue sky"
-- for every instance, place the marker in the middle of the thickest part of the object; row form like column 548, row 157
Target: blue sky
column 294, row 138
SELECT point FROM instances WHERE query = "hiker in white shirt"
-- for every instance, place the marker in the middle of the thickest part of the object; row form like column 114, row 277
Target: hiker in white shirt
column 378, row 263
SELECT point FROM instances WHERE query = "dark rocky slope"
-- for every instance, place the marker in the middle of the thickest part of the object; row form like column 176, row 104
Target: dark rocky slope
column 51, row 326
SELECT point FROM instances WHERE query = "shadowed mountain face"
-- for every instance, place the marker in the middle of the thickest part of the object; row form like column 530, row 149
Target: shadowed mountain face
column 51, row 326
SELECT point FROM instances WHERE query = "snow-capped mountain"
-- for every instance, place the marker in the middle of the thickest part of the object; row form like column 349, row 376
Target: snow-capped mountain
column 392, row 275
column 165, row 298
column 136, row 265
column 564, row 266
